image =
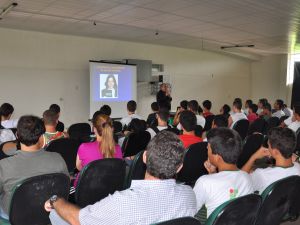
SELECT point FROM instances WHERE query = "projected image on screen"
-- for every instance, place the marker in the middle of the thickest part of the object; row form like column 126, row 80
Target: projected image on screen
column 108, row 85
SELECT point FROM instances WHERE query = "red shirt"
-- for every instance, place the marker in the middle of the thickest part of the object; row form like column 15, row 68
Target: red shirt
column 205, row 114
column 188, row 140
column 252, row 117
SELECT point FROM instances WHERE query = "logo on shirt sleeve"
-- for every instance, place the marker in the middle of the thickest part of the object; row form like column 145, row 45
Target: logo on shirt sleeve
column 233, row 193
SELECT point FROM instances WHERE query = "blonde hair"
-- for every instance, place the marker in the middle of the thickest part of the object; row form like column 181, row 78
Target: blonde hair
column 104, row 126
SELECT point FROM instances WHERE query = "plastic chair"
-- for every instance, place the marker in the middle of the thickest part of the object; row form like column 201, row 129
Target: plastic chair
column 29, row 196
column 67, row 148
column 241, row 127
column 193, row 163
column 137, row 169
column 80, row 132
column 258, row 126
column 135, row 143
column 208, row 122
column 99, row 179
column 242, row 210
column 280, row 199
column 181, row 221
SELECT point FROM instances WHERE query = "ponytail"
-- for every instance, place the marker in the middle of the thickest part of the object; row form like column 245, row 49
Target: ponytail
column 107, row 142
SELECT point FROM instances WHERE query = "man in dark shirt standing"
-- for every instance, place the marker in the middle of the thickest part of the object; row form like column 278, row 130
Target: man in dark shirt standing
column 163, row 97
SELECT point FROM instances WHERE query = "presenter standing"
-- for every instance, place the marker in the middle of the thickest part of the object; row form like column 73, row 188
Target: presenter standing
column 163, row 97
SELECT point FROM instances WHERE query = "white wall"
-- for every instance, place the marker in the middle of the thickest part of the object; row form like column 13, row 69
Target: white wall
column 38, row 69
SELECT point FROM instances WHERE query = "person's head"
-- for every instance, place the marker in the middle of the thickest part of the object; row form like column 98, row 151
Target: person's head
column 154, row 106
column 219, row 121
column 224, row 146
column 282, row 142
column 237, row 106
column 55, row 108
column 193, row 106
column 238, row 100
column 207, row 105
column 267, row 109
column 163, row 87
column 248, row 103
column 278, row 105
column 131, row 106
column 225, row 109
column 111, row 82
column 297, row 112
column 164, row 155
column 262, row 102
column 29, row 130
column 136, row 126
column 162, row 117
column 103, row 128
column 50, row 118
column 253, row 108
column 184, row 105
column 188, row 120
column 6, row 110
column 106, row 110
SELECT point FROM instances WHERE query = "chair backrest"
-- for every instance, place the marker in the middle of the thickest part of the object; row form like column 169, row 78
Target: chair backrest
column 252, row 144
column 241, row 127
column 12, row 144
column 99, row 179
column 67, row 148
column 117, row 126
column 181, row 221
column 80, row 132
column 258, row 126
column 29, row 196
column 193, row 163
column 135, row 143
column 242, row 210
column 279, row 199
column 208, row 122
column 272, row 122
column 297, row 149
column 137, row 169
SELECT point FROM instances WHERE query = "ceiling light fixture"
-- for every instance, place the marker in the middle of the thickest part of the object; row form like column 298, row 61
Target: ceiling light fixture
column 237, row 46
column 7, row 9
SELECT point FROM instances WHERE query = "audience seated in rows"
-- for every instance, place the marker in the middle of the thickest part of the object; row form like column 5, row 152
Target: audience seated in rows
column 206, row 108
column 162, row 117
column 282, row 143
column 247, row 105
column 6, row 111
column 188, row 123
column 252, row 116
column 183, row 106
column 156, row 198
column 237, row 113
column 50, row 119
column 278, row 106
column 30, row 161
column 103, row 147
column 224, row 148
column 60, row 125
column 131, row 108
column 151, row 120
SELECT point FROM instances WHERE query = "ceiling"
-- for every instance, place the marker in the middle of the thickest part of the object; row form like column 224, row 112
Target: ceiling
column 271, row 25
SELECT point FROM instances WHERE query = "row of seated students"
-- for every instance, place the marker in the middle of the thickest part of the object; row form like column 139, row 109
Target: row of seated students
column 163, row 157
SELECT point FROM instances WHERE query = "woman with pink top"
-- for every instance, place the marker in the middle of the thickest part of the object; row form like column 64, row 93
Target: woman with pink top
column 103, row 147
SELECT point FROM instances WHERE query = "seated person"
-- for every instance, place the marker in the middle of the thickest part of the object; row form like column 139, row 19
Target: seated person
column 156, row 198
column 225, row 111
column 6, row 111
column 261, row 104
column 212, row 190
column 60, row 125
column 247, row 105
column 287, row 111
column 103, row 147
column 162, row 118
column 219, row 121
column 252, row 116
column 151, row 120
column 266, row 113
column 50, row 119
column 237, row 114
column 207, row 107
column 30, row 161
column 278, row 106
column 188, row 122
column 6, row 135
column 293, row 122
column 282, row 143
column 182, row 107
column 131, row 108
column 106, row 110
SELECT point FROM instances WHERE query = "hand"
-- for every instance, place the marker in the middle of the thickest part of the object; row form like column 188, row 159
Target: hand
column 47, row 206
column 261, row 153
column 210, row 167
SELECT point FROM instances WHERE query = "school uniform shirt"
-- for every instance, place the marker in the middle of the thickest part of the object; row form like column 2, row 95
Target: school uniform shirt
column 10, row 123
column 236, row 117
column 214, row 189
column 294, row 126
column 288, row 121
column 153, row 133
column 262, row 178
column 127, row 119
column 278, row 114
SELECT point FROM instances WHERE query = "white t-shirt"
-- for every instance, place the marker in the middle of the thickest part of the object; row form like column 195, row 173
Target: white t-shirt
column 288, row 121
column 6, row 135
column 294, row 126
column 236, row 117
column 278, row 114
column 127, row 119
column 153, row 133
column 262, row 178
column 200, row 121
column 214, row 189
column 10, row 123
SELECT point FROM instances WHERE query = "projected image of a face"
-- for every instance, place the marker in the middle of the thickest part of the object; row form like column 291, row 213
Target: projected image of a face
column 110, row 83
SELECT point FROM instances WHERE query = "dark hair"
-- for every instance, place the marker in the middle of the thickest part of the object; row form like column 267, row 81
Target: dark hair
column 115, row 82
column 131, row 106
column 226, row 109
column 163, row 114
column 164, row 155
column 55, row 108
column 200, row 110
column 220, row 121
column 268, row 106
column 30, row 129
column 188, row 120
column 283, row 139
column 6, row 109
column 225, row 142
column 249, row 102
column 50, row 117
column 254, row 108
column 279, row 102
column 237, row 104
column 193, row 106
column 136, row 125
column 207, row 104
column 106, row 110
column 263, row 101
column 154, row 106
column 297, row 109
column 238, row 100
column 184, row 104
